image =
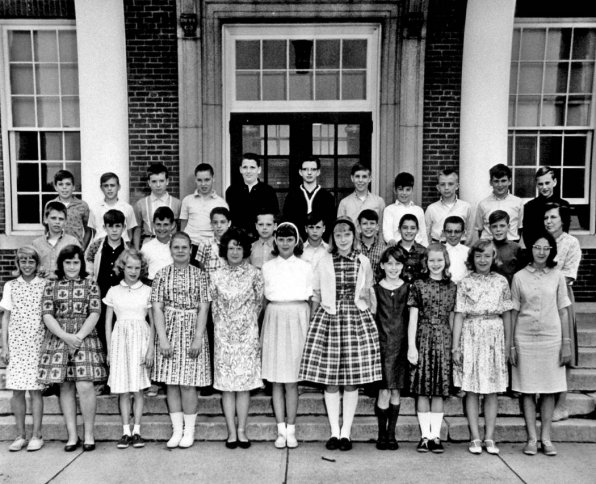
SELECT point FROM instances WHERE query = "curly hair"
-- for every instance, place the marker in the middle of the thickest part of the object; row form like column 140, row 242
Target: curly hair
column 135, row 254
column 240, row 236
column 70, row 252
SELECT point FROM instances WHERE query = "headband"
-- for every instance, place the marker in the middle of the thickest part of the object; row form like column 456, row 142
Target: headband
column 291, row 225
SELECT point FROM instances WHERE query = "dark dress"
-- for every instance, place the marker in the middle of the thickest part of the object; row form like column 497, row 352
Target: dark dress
column 435, row 300
column 392, row 324
column 413, row 266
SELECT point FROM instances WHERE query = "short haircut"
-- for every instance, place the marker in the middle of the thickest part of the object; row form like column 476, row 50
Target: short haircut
column 437, row 247
column 552, row 254
column 220, row 211
column 252, row 156
column 314, row 217
column 359, row 167
column 497, row 216
column 240, row 236
column 135, row 254
column 63, row 175
column 404, row 179
column 409, row 217
column 67, row 253
column 56, row 206
column 26, row 251
column 108, row 176
column 480, row 246
column 113, row 217
column 564, row 213
column 499, row 171
column 157, row 169
column 204, row 167
column 181, row 235
column 286, row 230
column 454, row 219
column 395, row 252
column 447, row 172
column 342, row 221
column 164, row 213
column 312, row 159
column 265, row 211
column 368, row 214
column 545, row 170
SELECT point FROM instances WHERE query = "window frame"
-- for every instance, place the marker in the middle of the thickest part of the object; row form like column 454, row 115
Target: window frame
column 10, row 168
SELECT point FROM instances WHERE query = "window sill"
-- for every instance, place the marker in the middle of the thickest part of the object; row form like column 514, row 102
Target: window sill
column 11, row 242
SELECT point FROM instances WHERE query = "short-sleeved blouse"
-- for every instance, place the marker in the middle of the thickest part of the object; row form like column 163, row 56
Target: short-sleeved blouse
column 71, row 298
column 129, row 302
column 483, row 295
column 180, row 288
column 435, row 299
column 287, row 279
column 569, row 255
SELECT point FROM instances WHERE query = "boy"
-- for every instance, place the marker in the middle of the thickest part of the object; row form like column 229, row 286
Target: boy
column 509, row 257
column 157, row 179
column 500, row 199
column 55, row 239
column 447, row 205
column 157, row 250
column 409, row 249
column 195, row 210
column 404, row 191
column 207, row 257
column 110, row 186
column 546, row 182
column 314, row 247
column 261, row 249
column 77, row 210
column 454, row 228
column 361, row 198
column 249, row 196
column 371, row 245
column 309, row 197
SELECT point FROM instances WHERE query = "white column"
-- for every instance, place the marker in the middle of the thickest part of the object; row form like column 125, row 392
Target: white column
column 101, row 47
column 485, row 91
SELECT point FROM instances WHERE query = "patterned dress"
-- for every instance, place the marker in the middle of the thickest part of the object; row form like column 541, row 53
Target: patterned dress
column 237, row 294
column 342, row 348
column 482, row 299
column 71, row 302
column 435, row 301
column 181, row 290
column 25, row 332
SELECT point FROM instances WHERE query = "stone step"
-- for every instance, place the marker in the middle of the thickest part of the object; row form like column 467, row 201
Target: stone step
column 586, row 336
column 309, row 428
column 582, row 379
column 587, row 357
column 311, row 403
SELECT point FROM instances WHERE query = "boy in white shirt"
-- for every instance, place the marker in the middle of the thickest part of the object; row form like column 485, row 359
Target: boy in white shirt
column 453, row 231
column 157, row 250
column 361, row 198
column 314, row 247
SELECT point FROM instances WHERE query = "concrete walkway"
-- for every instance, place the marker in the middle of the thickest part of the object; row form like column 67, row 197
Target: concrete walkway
column 310, row 463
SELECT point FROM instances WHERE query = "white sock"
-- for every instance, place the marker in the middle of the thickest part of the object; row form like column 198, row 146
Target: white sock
column 136, row 430
column 349, row 410
column 436, row 419
column 424, row 422
column 332, row 404
column 126, row 430
column 281, row 429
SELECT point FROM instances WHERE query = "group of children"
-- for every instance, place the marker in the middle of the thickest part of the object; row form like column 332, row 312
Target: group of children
column 397, row 296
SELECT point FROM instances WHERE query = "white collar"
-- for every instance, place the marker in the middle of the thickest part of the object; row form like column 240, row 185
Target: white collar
column 136, row 285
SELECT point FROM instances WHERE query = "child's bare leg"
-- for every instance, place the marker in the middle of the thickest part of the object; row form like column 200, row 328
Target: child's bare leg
column 189, row 399
column 173, row 398
column 138, row 406
column 68, row 404
column 37, row 411
column 87, row 401
column 279, row 407
column 18, row 405
column 422, row 404
column 228, row 400
column 472, row 414
column 529, row 408
column 242, row 404
column 490, row 415
column 124, row 402
column 383, row 398
column 291, row 402
column 437, row 404
column 395, row 397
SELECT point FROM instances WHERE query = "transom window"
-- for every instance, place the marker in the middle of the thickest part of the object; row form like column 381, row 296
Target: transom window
column 551, row 111
column 42, row 116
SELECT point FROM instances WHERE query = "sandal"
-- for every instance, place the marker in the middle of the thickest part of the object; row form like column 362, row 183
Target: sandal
column 475, row 447
column 490, row 447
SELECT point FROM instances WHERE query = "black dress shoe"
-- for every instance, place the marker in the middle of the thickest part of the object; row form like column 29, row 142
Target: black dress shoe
column 332, row 444
column 72, row 447
column 89, row 447
column 231, row 444
column 244, row 444
column 392, row 444
column 382, row 443
column 345, row 444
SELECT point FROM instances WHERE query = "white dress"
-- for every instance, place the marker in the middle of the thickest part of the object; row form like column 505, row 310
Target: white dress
column 130, row 337
column 25, row 332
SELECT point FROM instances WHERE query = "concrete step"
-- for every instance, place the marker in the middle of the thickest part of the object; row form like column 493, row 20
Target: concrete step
column 309, row 428
column 587, row 357
column 586, row 335
column 582, row 379
column 310, row 403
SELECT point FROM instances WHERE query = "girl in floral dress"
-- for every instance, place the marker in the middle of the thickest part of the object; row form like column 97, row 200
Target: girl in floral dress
column 342, row 343
column 481, row 334
column 22, row 335
column 431, row 301
column 179, row 295
column 237, row 293
column 72, row 354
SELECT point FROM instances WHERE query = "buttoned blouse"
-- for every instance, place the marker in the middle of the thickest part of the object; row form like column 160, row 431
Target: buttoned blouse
column 287, row 279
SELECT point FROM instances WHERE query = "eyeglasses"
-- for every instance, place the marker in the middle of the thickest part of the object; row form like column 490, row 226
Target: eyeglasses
column 539, row 248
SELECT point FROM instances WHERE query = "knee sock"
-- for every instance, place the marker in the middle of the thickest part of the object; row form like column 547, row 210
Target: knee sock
column 436, row 419
column 349, row 410
column 382, row 419
column 424, row 421
column 393, row 414
column 332, row 404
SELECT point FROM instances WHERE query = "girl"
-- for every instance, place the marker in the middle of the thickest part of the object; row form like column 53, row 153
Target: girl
column 22, row 335
column 288, row 288
column 342, row 343
column 392, row 323
column 72, row 354
column 431, row 302
column 540, row 332
column 130, row 346
column 481, row 334
column 180, row 300
column 411, row 250
column 237, row 292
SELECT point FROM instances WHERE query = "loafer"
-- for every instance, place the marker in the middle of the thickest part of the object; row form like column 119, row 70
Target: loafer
column 422, row 445
column 73, row 447
column 345, row 444
column 18, row 444
column 244, row 444
column 548, row 448
column 530, row 448
column 138, row 441
column 435, row 446
column 124, row 442
column 231, row 444
column 89, row 447
column 392, row 444
column 490, row 447
column 475, row 447
column 35, row 444
column 332, row 444
column 382, row 443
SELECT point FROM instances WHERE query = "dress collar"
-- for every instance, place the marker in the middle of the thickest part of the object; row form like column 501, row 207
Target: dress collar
column 136, row 285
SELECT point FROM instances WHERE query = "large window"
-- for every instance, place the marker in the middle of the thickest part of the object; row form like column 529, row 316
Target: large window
column 40, row 116
column 551, row 111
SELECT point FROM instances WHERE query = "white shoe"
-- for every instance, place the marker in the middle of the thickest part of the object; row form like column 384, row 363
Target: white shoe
column 291, row 441
column 188, row 437
column 35, row 444
column 280, row 442
column 18, row 444
column 177, row 425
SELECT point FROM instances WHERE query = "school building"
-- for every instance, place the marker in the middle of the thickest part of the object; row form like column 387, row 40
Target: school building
column 403, row 85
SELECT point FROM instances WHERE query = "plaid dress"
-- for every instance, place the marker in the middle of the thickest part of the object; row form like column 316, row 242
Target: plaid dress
column 342, row 348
